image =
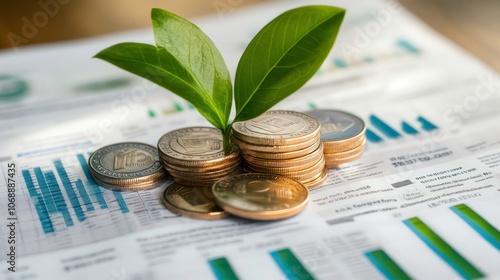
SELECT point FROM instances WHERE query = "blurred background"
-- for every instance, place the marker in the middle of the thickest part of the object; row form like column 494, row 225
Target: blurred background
column 472, row 24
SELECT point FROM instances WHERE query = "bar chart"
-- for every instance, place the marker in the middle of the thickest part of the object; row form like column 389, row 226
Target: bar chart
column 379, row 130
column 48, row 198
column 61, row 206
column 354, row 253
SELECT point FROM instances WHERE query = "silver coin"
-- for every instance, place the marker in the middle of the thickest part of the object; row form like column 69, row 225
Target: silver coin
column 127, row 164
column 338, row 125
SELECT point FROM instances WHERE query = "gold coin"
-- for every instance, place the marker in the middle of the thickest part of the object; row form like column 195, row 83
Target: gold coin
column 131, row 188
column 283, row 155
column 129, row 164
column 196, row 147
column 318, row 180
column 293, row 173
column 260, row 196
column 204, row 176
column 303, row 161
column 333, row 147
column 197, row 203
column 285, row 170
column 277, row 127
column 346, row 154
column 274, row 149
column 335, row 163
column 215, row 168
column 197, row 183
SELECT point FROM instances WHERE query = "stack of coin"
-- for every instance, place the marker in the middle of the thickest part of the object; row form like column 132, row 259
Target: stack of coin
column 342, row 135
column 195, row 156
column 282, row 143
column 127, row 166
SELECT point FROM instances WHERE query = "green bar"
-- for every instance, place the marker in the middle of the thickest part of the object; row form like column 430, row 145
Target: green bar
column 222, row 269
column 443, row 249
column 479, row 224
column 290, row 265
column 386, row 265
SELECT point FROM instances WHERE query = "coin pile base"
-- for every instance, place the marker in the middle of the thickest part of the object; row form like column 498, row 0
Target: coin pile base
column 342, row 135
column 195, row 156
column 128, row 166
column 282, row 143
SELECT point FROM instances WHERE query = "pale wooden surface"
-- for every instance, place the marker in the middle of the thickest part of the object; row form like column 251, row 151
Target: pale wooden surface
column 475, row 25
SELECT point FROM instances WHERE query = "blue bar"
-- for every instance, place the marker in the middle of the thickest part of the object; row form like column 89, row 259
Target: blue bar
column 84, row 195
column 372, row 137
column 44, row 189
column 408, row 129
column 340, row 63
column 121, row 202
column 73, row 198
column 61, row 205
column 407, row 46
column 383, row 127
column 96, row 190
column 426, row 125
column 37, row 199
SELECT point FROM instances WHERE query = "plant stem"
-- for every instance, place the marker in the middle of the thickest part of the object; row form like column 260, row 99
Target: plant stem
column 226, row 139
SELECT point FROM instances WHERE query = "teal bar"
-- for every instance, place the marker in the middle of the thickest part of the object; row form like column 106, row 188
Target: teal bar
column 372, row 136
column 443, row 249
column 386, row 265
column 479, row 224
column 408, row 129
column 426, row 125
column 222, row 269
column 290, row 265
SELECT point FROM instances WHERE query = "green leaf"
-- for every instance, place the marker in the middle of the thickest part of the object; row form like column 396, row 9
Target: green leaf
column 185, row 61
column 283, row 56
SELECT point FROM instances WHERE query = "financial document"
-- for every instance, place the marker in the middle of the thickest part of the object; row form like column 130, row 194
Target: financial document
column 423, row 202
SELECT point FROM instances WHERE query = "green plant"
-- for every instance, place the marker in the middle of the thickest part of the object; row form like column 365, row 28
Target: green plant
column 279, row 60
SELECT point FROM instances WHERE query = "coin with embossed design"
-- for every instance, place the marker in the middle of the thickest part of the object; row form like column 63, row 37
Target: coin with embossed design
column 277, row 127
column 340, row 131
column 128, row 166
column 195, row 146
column 260, row 196
column 198, row 203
